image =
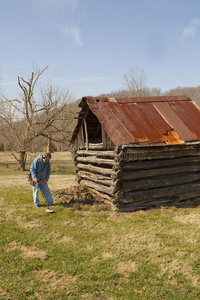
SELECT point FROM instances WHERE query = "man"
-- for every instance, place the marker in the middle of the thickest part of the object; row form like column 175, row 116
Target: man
column 40, row 171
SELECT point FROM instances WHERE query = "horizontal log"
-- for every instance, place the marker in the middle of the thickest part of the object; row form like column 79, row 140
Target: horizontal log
column 134, row 206
column 99, row 161
column 97, row 153
column 192, row 201
column 139, row 165
column 98, row 187
column 101, row 195
column 157, row 172
column 99, row 170
column 160, row 192
column 95, row 146
column 159, row 182
column 96, row 175
column 189, row 195
column 159, row 148
column 83, row 175
column 96, row 178
column 136, row 156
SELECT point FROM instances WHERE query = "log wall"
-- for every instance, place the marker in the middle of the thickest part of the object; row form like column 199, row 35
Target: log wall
column 158, row 176
column 135, row 178
column 96, row 169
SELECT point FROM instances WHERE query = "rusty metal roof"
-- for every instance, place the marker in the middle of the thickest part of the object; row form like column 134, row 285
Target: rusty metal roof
column 145, row 120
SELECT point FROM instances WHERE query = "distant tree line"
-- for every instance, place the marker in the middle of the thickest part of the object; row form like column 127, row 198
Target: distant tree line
column 136, row 86
column 45, row 120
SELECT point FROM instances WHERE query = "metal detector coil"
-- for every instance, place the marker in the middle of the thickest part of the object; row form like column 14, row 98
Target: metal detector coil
column 50, row 210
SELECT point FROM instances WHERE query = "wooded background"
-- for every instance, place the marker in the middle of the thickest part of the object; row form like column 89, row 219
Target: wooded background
column 44, row 116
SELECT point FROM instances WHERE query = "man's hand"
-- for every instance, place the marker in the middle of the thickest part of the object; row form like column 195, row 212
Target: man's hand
column 36, row 181
column 45, row 181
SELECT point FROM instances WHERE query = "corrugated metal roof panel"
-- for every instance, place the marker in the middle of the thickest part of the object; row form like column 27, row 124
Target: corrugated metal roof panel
column 112, row 125
column 146, row 120
column 184, row 110
column 153, row 115
column 175, row 121
column 144, row 125
column 127, row 119
column 160, row 123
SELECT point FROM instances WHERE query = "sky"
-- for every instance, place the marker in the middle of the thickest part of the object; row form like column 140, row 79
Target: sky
column 89, row 45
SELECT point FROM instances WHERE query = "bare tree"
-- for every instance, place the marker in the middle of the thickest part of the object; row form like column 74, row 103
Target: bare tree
column 55, row 118
column 135, row 80
column 24, row 120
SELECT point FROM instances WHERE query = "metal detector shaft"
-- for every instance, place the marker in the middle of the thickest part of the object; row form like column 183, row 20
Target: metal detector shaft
column 48, row 209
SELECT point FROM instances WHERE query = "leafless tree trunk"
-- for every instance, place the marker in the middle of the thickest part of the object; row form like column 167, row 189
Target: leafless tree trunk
column 49, row 144
column 135, row 80
column 24, row 120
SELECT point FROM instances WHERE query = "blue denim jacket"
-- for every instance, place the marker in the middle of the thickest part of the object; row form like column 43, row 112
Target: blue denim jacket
column 40, row 170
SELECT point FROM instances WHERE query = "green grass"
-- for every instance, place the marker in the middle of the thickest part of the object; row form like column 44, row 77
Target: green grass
column 90, row 252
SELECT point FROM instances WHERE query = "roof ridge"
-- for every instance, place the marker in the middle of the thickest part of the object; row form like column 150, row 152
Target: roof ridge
column 124, row 100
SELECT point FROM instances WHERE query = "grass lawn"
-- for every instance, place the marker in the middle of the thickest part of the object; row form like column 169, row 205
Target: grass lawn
column 89, row 251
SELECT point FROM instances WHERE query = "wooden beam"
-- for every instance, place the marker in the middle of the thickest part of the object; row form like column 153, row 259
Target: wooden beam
column 96, row 146
column 115, row 184
column 98, row 187
column 160, row 192
column 90, row 159
column 103, row 196
column 188, row 200
column 99, row 170
column 139, row 165
column 86, row 133
column 95, row 177
column 146, row 155
column 97, row 153
column 157, row 172
column 149, row 183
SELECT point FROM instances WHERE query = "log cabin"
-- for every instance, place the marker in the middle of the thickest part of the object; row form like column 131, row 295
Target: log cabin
column 139, row 153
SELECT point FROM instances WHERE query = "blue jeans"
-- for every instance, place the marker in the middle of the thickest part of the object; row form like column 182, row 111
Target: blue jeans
column 45, row 191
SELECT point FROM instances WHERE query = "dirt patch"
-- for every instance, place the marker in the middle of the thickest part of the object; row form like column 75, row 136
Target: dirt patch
column 59, row 239
column 54, row 280
column 27, row 252
column 126, row 268
column 175, row 266
column 30, row 224
column 191, row 218
column 108, row 255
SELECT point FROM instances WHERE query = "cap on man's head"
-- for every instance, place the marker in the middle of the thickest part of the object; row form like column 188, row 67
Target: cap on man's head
column 46, row 155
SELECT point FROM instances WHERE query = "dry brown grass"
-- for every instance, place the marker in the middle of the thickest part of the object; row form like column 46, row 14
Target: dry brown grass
column 56, row 182
column 28, row 224
column 27, row 252
column 191, row 218
column 127, row 267
column 53, row 280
